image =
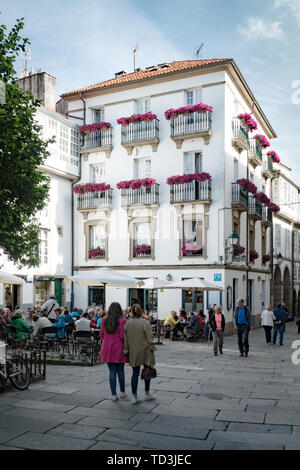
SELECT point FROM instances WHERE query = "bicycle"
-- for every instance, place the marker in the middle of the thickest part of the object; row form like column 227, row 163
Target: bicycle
column 15, row 370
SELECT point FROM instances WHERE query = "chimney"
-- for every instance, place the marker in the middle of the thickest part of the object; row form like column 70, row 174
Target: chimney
column 42, row 86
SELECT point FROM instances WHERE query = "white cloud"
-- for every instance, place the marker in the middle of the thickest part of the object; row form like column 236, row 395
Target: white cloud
column 259, row 28
column 293, row 6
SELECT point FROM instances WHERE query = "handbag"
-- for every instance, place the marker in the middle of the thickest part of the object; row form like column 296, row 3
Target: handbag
column 148, row 373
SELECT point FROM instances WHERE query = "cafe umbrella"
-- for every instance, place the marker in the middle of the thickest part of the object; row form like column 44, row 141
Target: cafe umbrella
column 152, row 283
column 103, row 277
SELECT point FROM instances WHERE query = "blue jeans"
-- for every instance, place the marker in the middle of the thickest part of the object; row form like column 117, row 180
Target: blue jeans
column 243, row 333
column 114, row 371
column 281, row 329
column 135, row 380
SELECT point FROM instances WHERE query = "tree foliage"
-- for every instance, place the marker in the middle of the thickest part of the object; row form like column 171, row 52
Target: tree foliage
column 23, row 188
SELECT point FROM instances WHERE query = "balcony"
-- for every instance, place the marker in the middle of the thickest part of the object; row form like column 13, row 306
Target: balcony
column 240, row 139
column 193, row 126
column 142, row 250
column 143, row 133
column 267, row 217
column 239, row 198
column 191, row 192
column 141, row 196
column 97, row 141
column 267, row 168
column 255, row 208
column 255, row 153
column 97, row 253
column 94, row 201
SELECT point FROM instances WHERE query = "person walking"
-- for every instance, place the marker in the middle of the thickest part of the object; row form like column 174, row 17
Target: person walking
column 139, row 345
column 217, row 324
column 111, row 352
column 279, row 324
column 267, row 321
column 242, row 320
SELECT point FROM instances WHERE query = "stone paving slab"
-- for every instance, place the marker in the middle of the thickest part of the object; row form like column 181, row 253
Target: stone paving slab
column 152, row 441
column 224, row 445
column 43, row 405
column 29, row 423
column 282, row 417
column 186, row 412
column 8, row 434
column 255, row 439
column 185, row 430
column 112, row 446
column 76, row 399
column 259, row 428
column 125, row 405
column 209, row 404
column 35, row 441
column 77, row 431
column 97, row 412
column 241, row 417
column 177, row 421
column 108, row 423
column 43, row 415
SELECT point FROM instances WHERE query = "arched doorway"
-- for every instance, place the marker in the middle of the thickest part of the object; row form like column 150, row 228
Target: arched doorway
column 277, row 287
column 287, row 290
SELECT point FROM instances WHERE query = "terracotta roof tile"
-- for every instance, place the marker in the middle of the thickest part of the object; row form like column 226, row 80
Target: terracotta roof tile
column 148, row 72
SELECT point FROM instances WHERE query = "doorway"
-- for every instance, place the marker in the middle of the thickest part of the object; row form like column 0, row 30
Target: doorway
column 96, row 295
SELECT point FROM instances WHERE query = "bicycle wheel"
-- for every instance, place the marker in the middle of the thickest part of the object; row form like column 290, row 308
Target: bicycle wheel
column 18, row 373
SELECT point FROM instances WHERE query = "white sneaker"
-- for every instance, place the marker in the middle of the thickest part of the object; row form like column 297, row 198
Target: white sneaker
column 135, row 401
column 114, row 398
column 123, row 395
column 150, row 396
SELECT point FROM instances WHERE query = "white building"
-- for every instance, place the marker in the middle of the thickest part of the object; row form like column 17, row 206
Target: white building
column 286, row 240
column 164, row 217
column 62, row 166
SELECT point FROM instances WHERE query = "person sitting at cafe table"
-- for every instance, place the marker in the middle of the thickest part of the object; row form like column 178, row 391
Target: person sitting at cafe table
column 83, row 324
column 171, row 324
column 22, row 331
column 193, row 325
column 59, row 323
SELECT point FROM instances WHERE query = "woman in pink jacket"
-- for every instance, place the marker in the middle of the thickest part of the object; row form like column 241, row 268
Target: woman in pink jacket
column 111, row 352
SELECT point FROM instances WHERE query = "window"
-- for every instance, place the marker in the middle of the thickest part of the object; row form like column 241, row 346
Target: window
column 192, row 162
column 252, row 239
column 97, row 239
column 142, row 106
column 43, row 246
column 193, row 97
column 141, row 239
column 277, row 238
column 75, row 146
column 64, row 141
column 192, row 238
column 235, row 169
column 142, row 168
column 98, row 115
column 97, row 173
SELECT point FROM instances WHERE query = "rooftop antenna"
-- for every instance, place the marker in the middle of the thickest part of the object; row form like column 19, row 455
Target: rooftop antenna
column 199, row 50
column 134, row 52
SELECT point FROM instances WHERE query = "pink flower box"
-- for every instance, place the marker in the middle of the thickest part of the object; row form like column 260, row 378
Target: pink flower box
column 262, row 140
column 247, row 185
column 186, row 110
column 136, row 184
column 88, row 128
column 136, row 119
column 273, row 155
column 249, row 122
column 188, row 178
column 90, row 188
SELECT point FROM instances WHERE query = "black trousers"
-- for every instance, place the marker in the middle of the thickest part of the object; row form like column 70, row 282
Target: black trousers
column 268, row 331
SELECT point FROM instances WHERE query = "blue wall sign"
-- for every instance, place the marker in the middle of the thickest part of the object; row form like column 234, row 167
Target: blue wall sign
column 218, row 277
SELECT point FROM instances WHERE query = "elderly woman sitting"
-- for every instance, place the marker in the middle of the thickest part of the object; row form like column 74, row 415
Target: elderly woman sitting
column 193, row 326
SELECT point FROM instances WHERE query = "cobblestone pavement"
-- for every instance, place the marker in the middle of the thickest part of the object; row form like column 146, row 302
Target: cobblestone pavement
column 203, row 402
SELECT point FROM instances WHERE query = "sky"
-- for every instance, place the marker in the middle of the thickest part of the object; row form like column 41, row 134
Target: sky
column 83, row 42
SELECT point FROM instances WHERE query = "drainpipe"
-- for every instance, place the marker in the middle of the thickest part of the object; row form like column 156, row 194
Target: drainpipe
column 72, row 208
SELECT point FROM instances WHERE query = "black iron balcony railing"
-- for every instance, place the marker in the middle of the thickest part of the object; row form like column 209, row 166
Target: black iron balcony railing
column 193, row 191
column 141, row 132
column 194, row 123
column 239, row 197
column 94, row 200
column 267, row 216
column 240, row 133
column 140, row 196
column 141, row 250
column 255, row 208
column 101, row 138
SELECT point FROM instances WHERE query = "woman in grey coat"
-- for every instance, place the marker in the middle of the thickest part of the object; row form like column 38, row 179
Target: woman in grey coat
column 139, row 345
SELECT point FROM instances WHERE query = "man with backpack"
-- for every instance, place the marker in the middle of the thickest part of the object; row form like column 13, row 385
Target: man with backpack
column 49, row 307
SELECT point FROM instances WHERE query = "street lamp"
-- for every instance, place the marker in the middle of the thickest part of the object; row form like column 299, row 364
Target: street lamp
column 279, row 258
column 233, row 238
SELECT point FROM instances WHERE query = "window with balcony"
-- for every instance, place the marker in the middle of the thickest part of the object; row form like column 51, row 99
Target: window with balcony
column 98, row 115
column 192, row 162
column 97, row 173
column 97, row 241
column 142, row 168
column 143, row 106
column 193, row 97
column 142, row 245
column 193, row 238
